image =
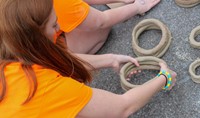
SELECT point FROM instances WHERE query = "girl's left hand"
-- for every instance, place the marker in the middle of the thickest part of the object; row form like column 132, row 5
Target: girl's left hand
column 119, row 60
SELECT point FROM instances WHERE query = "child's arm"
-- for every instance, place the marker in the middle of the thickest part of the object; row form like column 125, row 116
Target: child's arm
column 100, row 20
column 107, row 60
column 104, row 104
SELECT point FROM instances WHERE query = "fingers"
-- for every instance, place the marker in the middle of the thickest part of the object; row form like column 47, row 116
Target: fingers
column 173, row 83
column 128, row 78
column 124, row 59
column 173, row 75
column 116, row 67
column 119, row 60
column 163, row 66
column 135, row 61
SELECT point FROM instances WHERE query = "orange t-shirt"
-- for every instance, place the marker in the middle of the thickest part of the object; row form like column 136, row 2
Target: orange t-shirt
column 56, row 96
column 70, row 13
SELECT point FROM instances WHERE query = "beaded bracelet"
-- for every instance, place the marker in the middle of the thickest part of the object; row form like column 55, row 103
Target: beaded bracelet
column 168, row 78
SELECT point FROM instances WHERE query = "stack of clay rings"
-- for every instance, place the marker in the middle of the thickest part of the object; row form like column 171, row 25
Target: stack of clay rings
column 149, row 24
column 148, row 59
column 196, row 63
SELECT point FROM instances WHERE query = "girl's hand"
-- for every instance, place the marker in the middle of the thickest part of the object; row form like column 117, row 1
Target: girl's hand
column 172, row 73
column 119, row 60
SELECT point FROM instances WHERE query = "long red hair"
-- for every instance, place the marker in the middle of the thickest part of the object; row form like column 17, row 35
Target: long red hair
column 22, row 40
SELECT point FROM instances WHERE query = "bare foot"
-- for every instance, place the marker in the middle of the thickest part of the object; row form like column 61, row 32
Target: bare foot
column 145, row 5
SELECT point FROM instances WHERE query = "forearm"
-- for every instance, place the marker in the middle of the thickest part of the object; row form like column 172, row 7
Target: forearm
column 97, row 61
column 97, row 19
column 98, row 2
column 140, row 96
column 106, row 19
column 112, row 17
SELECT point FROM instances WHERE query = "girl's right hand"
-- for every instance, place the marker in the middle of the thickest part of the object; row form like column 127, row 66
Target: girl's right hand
column 172, row 73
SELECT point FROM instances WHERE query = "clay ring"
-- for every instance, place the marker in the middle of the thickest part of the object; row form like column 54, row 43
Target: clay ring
column 192, row 69
column 163, row 45
column 193, row 34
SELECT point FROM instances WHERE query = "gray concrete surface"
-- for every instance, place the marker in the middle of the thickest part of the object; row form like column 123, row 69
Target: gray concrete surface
column 184, row 100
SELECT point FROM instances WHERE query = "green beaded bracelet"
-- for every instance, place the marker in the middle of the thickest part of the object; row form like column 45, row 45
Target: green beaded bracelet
column 168, row 77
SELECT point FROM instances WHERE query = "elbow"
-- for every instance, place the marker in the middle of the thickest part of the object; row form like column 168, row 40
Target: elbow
column 96, row 20
column 127, row 112
column 129, row 107
column 103, row 21
column 124, row 113
column 122, row 108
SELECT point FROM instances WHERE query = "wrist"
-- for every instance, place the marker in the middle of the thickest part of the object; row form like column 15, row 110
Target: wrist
column 162, row 80
column 110, row 59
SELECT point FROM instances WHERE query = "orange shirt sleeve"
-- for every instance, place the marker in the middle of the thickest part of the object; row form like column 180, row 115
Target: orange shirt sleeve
column 70, row 13
column 65, row 97
column 56, row 96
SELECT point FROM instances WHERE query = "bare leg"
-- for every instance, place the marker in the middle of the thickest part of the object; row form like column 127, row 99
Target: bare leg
column 88, row 37
column 86, row 42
